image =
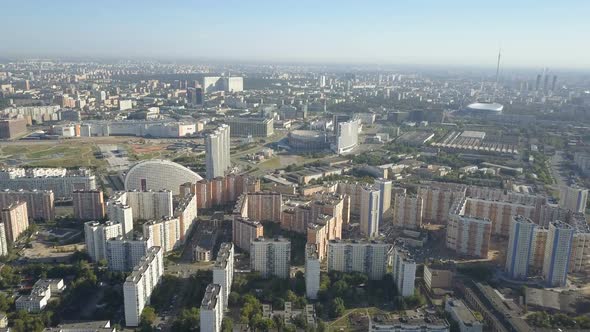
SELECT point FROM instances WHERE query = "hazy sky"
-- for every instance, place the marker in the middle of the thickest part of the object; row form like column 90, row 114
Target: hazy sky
column 531, row 32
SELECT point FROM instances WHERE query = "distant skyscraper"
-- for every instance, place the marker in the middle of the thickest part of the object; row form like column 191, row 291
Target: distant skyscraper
column 217, row 153
column 557, row 253
column 520, row 247
column 538, row 82
column 322, row 81
column 554, row 83
column 545, row 82
column 194, row 96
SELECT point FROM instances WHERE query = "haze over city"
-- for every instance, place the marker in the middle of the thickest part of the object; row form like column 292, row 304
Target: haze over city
column 458, row 32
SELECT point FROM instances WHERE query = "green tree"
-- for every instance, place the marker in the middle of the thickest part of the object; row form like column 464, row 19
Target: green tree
column 148, row 317
column 227, row 325
column 188, row 321
column 337, row 307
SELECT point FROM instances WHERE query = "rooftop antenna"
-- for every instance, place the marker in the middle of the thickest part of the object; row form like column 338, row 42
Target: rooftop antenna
column 497, row 74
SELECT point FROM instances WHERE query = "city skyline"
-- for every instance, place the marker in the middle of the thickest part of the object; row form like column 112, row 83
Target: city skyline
column 531, row 34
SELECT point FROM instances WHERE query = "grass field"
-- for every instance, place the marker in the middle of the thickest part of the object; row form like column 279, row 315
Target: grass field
column 60, row 154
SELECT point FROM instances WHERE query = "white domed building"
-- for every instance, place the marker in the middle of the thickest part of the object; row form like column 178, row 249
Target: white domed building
column 484, row 108
column 159, row 174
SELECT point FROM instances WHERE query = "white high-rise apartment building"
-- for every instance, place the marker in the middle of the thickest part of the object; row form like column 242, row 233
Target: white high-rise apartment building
column 312, row 271
column 124, row 255
column 348, row 136
column 211, row 309
column 96, row 236
column 3, row 241
column 370, row 216
column 520, row 247
column 271, row 257
column 404, row 271
column 122, row 214
column 165, row 233
column 558, row 249
column 573, row 198
column 138, row 286
column 217, row 152
column 234, row 84
column 124, row 207
column 369, row 257
column 223, row 270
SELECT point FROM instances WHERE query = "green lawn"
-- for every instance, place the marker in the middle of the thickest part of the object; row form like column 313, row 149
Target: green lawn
column 62, row 154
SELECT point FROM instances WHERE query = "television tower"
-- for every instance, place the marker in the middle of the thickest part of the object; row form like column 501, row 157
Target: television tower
column 497, row 74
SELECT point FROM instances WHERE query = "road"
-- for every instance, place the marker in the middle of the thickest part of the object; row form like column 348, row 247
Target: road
column 557, row 167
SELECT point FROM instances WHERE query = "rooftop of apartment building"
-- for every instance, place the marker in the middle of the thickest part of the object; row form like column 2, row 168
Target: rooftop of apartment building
column 211, row 297
column 143, row 265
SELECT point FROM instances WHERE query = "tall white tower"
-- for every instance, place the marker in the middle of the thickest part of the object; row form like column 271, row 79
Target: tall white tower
column 217, row 152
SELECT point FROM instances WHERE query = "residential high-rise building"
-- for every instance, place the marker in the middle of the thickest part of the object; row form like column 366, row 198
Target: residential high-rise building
column 194, row 96
column 145, row 205
column 404, row 271
column 369, row 213
column 221, row 191
column 468, row 235
column 557, row 253
column 164, row 233
column 96, row 236
column 438, row 199
column 88, row 204
column 538, row 250
column 369, row 257
column 245, row 231
column 407, row 211
column 271, row 257
column 217, row 152
column 15, row 219
column 139, row 285
column 124, row 254
column 385, row 188
column 223, row 270
column 122, row 214
column 211, row 309
column 265, row 206
column 312, row 272
column 59, row 180
column 186, row 212
column 520, row 247
column 573, row 198
column 40, row 203
column 4, row 245
column 318, row 234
